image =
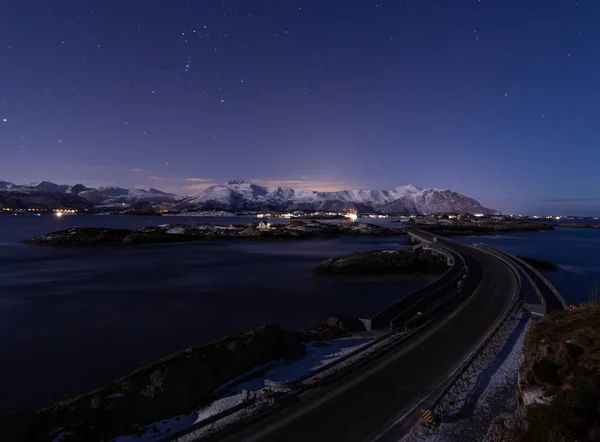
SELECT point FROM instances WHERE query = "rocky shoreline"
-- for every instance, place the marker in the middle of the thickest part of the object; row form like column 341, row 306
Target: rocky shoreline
column 579, row 226
column 174, row 385
column 166, row 233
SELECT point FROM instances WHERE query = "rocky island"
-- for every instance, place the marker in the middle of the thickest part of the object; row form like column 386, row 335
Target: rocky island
column 468, row 228
column 165, row 233
column 383, row 262
column 540, row 264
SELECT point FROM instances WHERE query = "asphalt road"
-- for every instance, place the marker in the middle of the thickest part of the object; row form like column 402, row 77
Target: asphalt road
column 552, row 302
column 382, row 401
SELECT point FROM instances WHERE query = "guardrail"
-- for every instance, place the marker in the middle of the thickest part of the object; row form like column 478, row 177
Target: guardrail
column 384, row 316
column 457, row 373
column 296, row 386
column 426, row 305
column 511, row 261
column 541, row 277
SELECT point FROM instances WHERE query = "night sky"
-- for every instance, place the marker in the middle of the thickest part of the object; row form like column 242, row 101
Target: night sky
column 499, row 100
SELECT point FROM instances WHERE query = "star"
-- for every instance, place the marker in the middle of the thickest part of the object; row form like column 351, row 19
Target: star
column 4, row 120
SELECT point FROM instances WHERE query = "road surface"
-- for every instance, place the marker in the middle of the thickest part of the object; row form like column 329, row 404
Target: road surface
column 381, row 401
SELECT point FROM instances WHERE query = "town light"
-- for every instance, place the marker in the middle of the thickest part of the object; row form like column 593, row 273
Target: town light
column 59, row 214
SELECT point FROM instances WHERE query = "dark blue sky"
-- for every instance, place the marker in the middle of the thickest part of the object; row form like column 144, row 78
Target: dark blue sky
column 499, row 100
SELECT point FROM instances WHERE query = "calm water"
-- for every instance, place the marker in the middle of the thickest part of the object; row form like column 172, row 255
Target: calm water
column 574, row 251
column 72, row 319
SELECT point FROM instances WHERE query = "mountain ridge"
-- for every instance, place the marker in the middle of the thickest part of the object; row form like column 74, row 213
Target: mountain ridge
column 242, row 195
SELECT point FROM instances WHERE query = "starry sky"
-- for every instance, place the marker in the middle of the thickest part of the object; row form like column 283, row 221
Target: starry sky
column 499, row 100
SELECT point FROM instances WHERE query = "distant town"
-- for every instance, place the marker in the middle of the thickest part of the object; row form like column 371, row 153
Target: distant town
column 344, row 214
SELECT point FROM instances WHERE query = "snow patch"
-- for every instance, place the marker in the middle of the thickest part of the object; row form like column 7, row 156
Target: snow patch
column 176, row 231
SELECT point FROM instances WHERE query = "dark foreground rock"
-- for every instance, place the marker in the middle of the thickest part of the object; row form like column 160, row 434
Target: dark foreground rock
column 539, row 264
column 332, row 328
column 83, row 236
column 199, row 232
column 174, row 385
column 383, row 262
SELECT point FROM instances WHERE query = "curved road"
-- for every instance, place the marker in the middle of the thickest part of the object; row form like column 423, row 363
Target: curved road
column 381, row 401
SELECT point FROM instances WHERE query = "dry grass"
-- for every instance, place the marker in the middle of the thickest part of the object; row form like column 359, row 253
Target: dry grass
column 562, row 355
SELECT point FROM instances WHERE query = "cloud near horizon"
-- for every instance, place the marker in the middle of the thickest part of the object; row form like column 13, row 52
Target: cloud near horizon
column 200, row 180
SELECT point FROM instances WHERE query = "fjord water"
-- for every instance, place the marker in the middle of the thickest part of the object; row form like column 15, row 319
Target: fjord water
column 75, row 318
column 575, row 251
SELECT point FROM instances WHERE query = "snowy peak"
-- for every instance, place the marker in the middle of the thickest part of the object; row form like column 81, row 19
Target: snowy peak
column 407, row 189
column 435, row 201
column 87, row 196
column 236, row 181
column 47, row 186
column 76, row 189
column 410, row 199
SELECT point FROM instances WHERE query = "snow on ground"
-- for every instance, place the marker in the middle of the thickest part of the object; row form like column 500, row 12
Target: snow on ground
column 176, row 231
column 318, row 354
column 483, row 392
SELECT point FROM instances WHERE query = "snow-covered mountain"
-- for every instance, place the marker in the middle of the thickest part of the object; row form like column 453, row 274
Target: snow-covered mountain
column 238, row 195
column 435, row 201
column 117, row 195
column 47, row 186
column 49, row 195
column 5, row 185
column 242, row 195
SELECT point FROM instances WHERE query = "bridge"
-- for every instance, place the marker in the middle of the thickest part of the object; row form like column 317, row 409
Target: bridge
column 381, row 400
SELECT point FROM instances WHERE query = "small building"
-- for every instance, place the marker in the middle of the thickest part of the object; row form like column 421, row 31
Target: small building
column 263, row 226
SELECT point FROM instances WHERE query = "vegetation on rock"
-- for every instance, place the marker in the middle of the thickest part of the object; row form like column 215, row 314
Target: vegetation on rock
column 560, row 377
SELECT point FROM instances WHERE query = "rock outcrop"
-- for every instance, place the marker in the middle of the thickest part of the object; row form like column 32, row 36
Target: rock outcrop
column 82, row 236
column 559, row 381
column 199, row 232
column 383, row 262
column 539, row 264
column 332, row 328
column 174, row 385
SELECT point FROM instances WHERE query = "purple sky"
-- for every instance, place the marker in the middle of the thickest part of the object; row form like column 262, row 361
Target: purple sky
column 497, row 100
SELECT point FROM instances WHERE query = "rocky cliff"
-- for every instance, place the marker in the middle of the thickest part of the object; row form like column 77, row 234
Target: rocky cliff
column 559, row 381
